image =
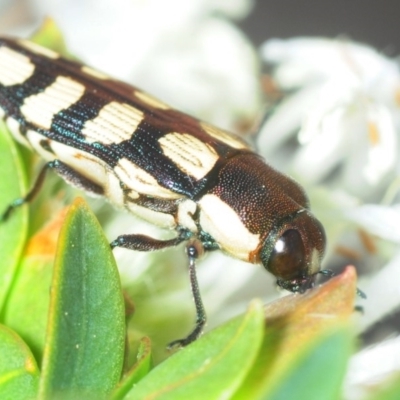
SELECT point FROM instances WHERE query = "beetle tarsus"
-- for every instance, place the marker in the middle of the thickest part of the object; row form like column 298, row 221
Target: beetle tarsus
column 10, row 209
column 30, row 195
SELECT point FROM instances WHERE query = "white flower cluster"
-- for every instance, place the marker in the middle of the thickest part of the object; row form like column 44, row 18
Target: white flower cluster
column 342, row 101
column 344, row 107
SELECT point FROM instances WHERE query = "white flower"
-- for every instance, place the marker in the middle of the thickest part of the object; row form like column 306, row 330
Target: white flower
column 344, row 104
column 382, row 221
column 371, row 367
column 381, row 286
column 187, row 53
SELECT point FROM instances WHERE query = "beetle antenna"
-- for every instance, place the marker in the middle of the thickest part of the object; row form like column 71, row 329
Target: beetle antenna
column 329, row 273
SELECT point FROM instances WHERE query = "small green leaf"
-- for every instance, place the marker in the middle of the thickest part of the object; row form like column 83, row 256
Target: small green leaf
column 300, row 333
column 19, row 375
column 212, row 367
column 13, row 232
column 85, row 339
column 140, row 369
column 49, row 35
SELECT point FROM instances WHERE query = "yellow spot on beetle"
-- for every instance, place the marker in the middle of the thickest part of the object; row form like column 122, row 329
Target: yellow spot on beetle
column 36, row 48
column 189, row 154
column 150, row 100
column 15, row 68
column 94, row 72
column 115, row 123
column 215, row 216
column 225, row 137
column 133, row 177
column 41, row 108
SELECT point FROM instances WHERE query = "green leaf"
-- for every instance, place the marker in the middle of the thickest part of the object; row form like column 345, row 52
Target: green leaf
column 49, row 35
column 86, row 329
column 19, row 375
column 318, row 372
column 210, row 368
column 30, row 290
column 300, row 333
column 140, row 369
column 13, row 232
column 390, row 390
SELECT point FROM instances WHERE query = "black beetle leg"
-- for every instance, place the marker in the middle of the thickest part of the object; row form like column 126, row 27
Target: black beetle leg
column 66, row 172
column 201, row 318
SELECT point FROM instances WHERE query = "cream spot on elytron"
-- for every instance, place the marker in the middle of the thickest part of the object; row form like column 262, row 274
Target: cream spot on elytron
column 115, row 123
column 141, row 181
column 150, row 100
column 41, row 108
column 225, row 137
column 94, row 72
column 15, row 68
column 36, row 48
column 189, row 154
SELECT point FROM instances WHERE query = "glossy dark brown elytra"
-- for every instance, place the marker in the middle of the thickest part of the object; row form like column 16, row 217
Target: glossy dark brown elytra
column 111, row 139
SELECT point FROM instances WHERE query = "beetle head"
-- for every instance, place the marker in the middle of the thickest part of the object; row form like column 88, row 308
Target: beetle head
column 293, row 250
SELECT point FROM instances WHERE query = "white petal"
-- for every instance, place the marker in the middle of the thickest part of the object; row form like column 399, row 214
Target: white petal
column 207, row 82
column 383, row 149
column 370, row 367
column 304, row 60
column 382, row 221
column 184, row 52
column 285, row 119
column 317, row 158
column 383, row 293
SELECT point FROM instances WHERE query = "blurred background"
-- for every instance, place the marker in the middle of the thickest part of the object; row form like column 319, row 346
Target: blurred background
column 368, row 21
column 204, row 57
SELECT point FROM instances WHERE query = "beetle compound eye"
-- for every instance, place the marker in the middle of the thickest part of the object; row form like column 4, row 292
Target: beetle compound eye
column 293, row 252
column 287, row 259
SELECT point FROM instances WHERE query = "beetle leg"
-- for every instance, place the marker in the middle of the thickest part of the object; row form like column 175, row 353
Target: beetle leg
column 146, row 243
column 65, row 172
column 192, row 251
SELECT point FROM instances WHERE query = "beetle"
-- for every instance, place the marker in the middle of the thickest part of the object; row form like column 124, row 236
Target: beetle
column 114, row 140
